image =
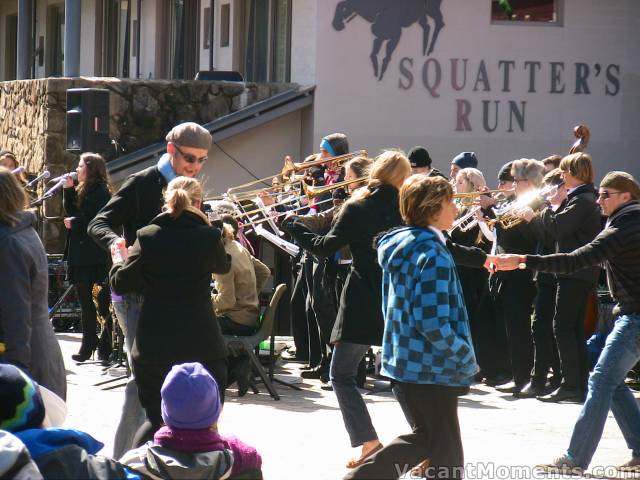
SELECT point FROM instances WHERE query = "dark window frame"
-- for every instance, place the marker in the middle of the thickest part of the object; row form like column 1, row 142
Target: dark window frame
column 559, row 21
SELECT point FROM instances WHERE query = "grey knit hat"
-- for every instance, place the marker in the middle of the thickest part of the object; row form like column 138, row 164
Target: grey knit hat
column 191, row 135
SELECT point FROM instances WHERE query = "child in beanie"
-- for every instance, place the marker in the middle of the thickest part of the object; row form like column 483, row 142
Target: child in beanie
column 190, row 410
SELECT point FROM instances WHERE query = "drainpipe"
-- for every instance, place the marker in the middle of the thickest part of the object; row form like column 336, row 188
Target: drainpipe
column 139, row 15
column 25, row 39
column 72, row 38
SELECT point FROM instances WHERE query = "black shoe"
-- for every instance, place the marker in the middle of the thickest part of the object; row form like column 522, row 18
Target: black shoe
column 83, row 355
column 324, row 377
column 511, row 387
column 531, row 390
column 564, row 394
column 316, row 373
column 497, row 380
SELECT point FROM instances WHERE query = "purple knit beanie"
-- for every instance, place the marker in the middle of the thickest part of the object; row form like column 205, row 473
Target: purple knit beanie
column 190, row 397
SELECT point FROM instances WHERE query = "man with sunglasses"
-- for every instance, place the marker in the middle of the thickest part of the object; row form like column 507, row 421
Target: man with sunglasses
column 137, row 202
column 616, row 247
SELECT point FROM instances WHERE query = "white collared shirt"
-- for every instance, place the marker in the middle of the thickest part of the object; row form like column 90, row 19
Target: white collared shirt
column 439, row 234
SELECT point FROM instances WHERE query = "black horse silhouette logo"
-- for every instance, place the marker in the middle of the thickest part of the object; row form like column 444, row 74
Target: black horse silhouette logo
column 387, row 18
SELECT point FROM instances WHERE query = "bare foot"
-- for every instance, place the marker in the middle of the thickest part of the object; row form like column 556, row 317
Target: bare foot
column 368, row 449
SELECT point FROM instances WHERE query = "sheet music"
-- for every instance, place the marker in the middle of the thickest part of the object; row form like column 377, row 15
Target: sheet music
column 273, row 239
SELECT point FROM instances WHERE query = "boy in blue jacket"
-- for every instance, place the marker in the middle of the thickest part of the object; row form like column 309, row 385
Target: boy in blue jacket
column 427, row 346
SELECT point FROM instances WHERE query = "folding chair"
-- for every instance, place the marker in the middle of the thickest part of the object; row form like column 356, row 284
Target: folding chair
column 247, row 344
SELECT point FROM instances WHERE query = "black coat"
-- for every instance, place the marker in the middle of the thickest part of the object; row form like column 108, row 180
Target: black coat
column 137, row 202
column 171, row 265
column 82, row 250
column 360, row 318
column 576, row 223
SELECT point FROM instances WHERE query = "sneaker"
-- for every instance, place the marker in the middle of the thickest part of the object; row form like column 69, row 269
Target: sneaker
column 632, row 465
column 563, row 465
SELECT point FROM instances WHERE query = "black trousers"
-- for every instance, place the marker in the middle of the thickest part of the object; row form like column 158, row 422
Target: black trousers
column 435, row 436
column 323, row 304
column 568, row 327
column 315, row 344
column 546, row 352
column 517, row 292
column 299, row 327
column 490, row 338
column 88, row 312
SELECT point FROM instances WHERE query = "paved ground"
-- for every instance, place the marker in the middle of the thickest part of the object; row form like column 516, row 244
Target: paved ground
column 302, row 435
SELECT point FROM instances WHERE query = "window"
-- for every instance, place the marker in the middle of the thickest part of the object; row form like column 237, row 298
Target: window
column 281, row 58
column 207, row 28
column 11, row 47
column 534, row 11
column 225, row 18
column 54, row 65
column 267, row 40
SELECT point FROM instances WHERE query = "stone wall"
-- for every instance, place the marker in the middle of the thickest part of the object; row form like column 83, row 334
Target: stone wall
column 33, row 120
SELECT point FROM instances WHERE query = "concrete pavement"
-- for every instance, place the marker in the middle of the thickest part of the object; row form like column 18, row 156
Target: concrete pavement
column 302, row 435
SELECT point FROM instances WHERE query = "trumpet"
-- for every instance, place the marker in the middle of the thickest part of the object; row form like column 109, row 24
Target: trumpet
column 507, row 216
column 312, row 192
column 469, row 197
column 467, row 221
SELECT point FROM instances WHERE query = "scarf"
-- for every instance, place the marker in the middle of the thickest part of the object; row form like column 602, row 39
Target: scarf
column 189, row 441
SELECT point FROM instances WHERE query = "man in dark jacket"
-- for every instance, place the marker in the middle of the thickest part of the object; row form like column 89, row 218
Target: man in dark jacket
column 576, row 222
column 617, row 247
column 137, row 202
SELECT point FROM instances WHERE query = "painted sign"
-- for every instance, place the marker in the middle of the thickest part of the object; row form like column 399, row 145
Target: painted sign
column 387, row 19
column 459, row 78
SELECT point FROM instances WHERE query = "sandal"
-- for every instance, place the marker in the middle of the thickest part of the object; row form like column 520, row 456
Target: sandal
column 420, row 470
column 356, row 463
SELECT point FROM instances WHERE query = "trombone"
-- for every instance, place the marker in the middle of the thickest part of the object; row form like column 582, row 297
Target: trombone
column 291, row 167
column 309, row 192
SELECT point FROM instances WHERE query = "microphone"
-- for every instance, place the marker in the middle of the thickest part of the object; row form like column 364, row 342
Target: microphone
column 35, row 181
column 18, row 170
column 61, row 180
column 73, row 175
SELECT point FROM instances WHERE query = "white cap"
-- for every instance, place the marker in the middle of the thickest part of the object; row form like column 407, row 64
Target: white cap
column 55, row 410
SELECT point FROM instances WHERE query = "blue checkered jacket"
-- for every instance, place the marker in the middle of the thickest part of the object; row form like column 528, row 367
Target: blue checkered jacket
column 426, row 333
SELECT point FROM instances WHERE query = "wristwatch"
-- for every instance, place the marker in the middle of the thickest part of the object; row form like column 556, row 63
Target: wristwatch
column 523, row 263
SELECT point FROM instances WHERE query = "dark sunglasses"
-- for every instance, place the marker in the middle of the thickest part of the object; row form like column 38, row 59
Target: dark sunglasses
column 189, row 158
column 607, row 194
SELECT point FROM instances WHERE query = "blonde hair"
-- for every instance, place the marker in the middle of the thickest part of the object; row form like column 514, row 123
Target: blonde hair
column 13, row 199
column 360, row 166
column 181, row 196
column 391, row 167
column 421, row 199
column 473, row 178
column 528, row 169
column 578, row 165
column 554, row 177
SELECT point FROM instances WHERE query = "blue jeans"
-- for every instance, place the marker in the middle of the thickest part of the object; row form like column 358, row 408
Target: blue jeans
column 343, row 372
column 607, row 390
column 133, row 416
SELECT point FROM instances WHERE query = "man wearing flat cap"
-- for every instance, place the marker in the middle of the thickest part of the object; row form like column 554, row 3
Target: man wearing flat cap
column 137, row 202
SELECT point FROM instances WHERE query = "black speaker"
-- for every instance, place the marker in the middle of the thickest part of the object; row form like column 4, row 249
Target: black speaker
column 87, row 120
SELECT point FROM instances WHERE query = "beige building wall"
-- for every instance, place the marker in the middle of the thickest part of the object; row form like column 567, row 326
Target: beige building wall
column 304, row 16
column 416, row 103
column 260, row 149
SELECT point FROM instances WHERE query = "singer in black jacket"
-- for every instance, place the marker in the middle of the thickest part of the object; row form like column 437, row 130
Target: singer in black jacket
column 88, row 264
